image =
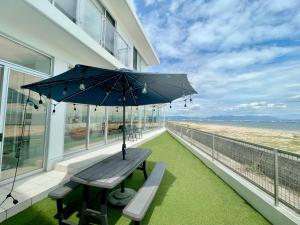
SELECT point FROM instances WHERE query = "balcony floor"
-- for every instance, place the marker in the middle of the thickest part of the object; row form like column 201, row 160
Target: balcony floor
column 190, row 193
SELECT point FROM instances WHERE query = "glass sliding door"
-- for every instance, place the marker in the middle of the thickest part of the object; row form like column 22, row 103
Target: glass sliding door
column 1, row 83
column 32, row 151
column 97, row 126
column 76, row 127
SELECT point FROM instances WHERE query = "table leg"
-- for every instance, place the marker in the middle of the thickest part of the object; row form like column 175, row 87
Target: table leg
column 103, row 207
column 144, row 170
column 85, row 199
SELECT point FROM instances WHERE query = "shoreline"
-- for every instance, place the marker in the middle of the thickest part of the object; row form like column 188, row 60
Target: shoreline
column 281, row 139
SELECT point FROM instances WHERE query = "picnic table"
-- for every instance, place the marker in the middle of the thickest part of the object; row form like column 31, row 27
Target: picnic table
column 107, row 174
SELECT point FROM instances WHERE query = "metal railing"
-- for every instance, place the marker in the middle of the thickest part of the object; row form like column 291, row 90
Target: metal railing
column 274, row 171
column 114, row 43
column 108, row 36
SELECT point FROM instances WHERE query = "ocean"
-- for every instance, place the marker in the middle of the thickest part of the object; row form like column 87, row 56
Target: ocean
column 274, row 125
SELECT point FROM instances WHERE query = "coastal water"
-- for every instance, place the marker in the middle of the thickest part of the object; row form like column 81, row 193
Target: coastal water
column 274, row 125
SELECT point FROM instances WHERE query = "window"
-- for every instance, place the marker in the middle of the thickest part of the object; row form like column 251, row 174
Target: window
column 135, row 58
column 76, row 127
column 109, row 38
column 92, row 19
column 1, row 83
column 115, row 122
column 138, row 61
column 67, row 7
column 32, row 152
column 18, row 54
column 97, row 126
column 149, row 117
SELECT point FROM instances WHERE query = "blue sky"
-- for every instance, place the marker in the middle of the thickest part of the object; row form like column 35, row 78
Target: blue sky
column 242, row 56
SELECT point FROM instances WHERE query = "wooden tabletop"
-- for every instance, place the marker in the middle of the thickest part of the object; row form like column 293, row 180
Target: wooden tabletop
column 113, row 170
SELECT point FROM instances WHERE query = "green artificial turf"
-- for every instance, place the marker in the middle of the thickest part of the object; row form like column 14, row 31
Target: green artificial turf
column 190, row 194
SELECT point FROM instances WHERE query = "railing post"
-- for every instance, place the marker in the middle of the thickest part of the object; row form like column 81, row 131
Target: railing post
column 276, row 178
column 192, row 140
column 213, row 148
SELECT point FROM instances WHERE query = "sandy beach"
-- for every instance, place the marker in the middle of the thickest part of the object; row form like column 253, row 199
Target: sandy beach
column 280, row 139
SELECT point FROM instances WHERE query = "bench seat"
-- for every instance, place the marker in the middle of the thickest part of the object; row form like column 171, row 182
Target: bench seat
column 58, row 194
column 138, row 206
column 62, row 191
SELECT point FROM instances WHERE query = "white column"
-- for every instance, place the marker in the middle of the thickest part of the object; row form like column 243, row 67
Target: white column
column 56, row 124
column 106, row 126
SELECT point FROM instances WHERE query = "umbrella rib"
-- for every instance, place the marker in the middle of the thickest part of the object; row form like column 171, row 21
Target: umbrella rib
column 130, row 90
column 106, row 96
column 89, row 87
column 62, row 81
column 154, row 91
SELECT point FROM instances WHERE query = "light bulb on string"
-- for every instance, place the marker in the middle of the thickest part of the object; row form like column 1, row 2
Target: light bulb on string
column 170, row 105
column 74, row 107
column 117, row 109
column 54, row 108
column 65, row 91
column 40, row 101
column 144, row 91
column 82, row 86
column 185, row 103
column 191, row 99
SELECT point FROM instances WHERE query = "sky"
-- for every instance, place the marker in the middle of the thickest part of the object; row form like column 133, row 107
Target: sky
column 242, row 56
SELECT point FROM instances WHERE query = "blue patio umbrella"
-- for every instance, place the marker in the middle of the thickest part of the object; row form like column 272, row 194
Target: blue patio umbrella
column 108, row 87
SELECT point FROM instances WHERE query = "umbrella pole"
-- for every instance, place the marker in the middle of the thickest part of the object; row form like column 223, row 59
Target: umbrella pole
column 121, row 197
column 124, row 138
column 124, row 128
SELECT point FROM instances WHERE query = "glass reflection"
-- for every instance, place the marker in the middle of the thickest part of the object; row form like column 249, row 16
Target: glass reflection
column 75, row 127
column 32, row 151
column 97, row 126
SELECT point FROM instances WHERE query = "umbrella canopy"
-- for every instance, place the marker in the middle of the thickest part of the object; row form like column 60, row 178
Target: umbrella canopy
column 106, row 87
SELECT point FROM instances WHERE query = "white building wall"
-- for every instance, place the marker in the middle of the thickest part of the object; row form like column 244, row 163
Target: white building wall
column 56, row 131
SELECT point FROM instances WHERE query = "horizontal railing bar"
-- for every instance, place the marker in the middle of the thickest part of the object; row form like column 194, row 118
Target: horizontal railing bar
column 244, row 142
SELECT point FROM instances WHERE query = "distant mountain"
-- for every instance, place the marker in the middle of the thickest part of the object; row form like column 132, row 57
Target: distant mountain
column 243, row 118
column 228, row 118
column 182, row 118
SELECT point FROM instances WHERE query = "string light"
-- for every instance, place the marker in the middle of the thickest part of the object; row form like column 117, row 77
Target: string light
column 82, row 86
column 117, row 109
column 54, row 109
column 191, row 99
column 40, row 101
column 170, row 106
column 65, row 91
column 144, row 91
column 185, row 103
column 74, row 107
column 137, row 108
column 95, row 109
column 153, row 108
column 35, row 106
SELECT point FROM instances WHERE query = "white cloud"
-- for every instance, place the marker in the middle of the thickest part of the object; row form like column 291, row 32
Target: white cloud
column 296, row 97
column 234, row 51
column 257, row 106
